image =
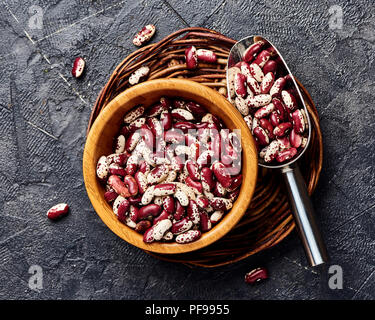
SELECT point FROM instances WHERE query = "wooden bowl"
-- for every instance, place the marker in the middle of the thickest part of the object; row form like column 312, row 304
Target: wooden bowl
column 106, row 126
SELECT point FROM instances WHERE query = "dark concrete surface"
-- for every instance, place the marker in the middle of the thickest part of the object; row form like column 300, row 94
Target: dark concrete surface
column 43, row 118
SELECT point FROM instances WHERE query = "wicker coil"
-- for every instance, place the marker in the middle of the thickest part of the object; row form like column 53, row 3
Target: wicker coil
column 268, row 219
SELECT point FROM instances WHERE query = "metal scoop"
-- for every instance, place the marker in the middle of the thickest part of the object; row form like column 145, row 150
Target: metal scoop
column 299, row 199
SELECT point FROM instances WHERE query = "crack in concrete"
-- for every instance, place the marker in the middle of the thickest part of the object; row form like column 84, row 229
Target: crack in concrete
column 176, row 12
column 353, row 218
column 42, row 130
column 2, row 242
column 19, row 128
column 45, row 57
column 362, row 285
column 79, row 21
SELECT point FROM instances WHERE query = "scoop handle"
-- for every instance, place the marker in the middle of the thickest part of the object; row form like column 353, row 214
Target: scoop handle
column 304, row 216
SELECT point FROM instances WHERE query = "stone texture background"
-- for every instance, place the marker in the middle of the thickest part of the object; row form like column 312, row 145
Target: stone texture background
column 43, row 117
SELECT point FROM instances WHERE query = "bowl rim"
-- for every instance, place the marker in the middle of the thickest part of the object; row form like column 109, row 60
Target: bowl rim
column 249, row 153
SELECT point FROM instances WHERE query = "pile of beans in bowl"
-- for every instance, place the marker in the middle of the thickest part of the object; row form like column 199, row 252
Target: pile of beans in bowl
column 175, row 171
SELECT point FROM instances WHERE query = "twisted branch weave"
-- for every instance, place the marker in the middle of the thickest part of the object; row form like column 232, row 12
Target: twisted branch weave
column 268, row 219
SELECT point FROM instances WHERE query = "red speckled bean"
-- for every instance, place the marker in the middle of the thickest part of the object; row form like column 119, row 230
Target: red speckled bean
column 121, row 158
column 195, row 108
column 136, row 200
column 169, row 204
column 157, row 231
column 259, row 101
column 138, row 74
column 277, row 87
column 131, row 184
column 184, row 126
column 158, row 174
column 110, row 195
column 266, row 125
column 191, row 57
column 180, row 211
column 221, row 174
column 256, row 275
column 274, row 118
column 193, row 170
column 264, row 111
column 221, row 203
column 256, row 72
column 271, row 151
column 240, row 85
column 245, row 68
column 216, row 216
column 149, row 210
column 280, row 109
column 102, row 168
column 155, row 110
column 270, row 66
column 144, row 35
column 117, row 170
column 284, row 143
column 207, row 177
column 205, row 222
column 58, row 211
column 236, row 182
column 253, row 85
column 182, row 115
column 166, row 120
column 285, row 155
column 189, row 236
column 155, row 126
column 289, row 100
column 163, row 215
column 202, row 202
column 181, row 226
column 174, row 136
column 117, row 185
column 148, row 236
column 196, row 185
column 122, row 210
column 134, row 114
column 219, row 190
column 282, row 129
column 193, row 211
column 253, row 50
column 295, row 139
column 262, row 136
column 262, row 58
column 164, row 189
column 136, row 124
column 133, row 212
column 142, row 226
column 299, row 124
column 267, row 82
column 141, row 180
column 132, row 141
column 206, row 55
column 120, row 144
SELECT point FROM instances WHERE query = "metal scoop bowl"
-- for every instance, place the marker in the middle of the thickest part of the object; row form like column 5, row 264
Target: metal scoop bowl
column 299, row 199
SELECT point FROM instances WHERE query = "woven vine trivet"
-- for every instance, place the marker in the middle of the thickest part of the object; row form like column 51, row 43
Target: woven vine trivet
column 268, row 220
